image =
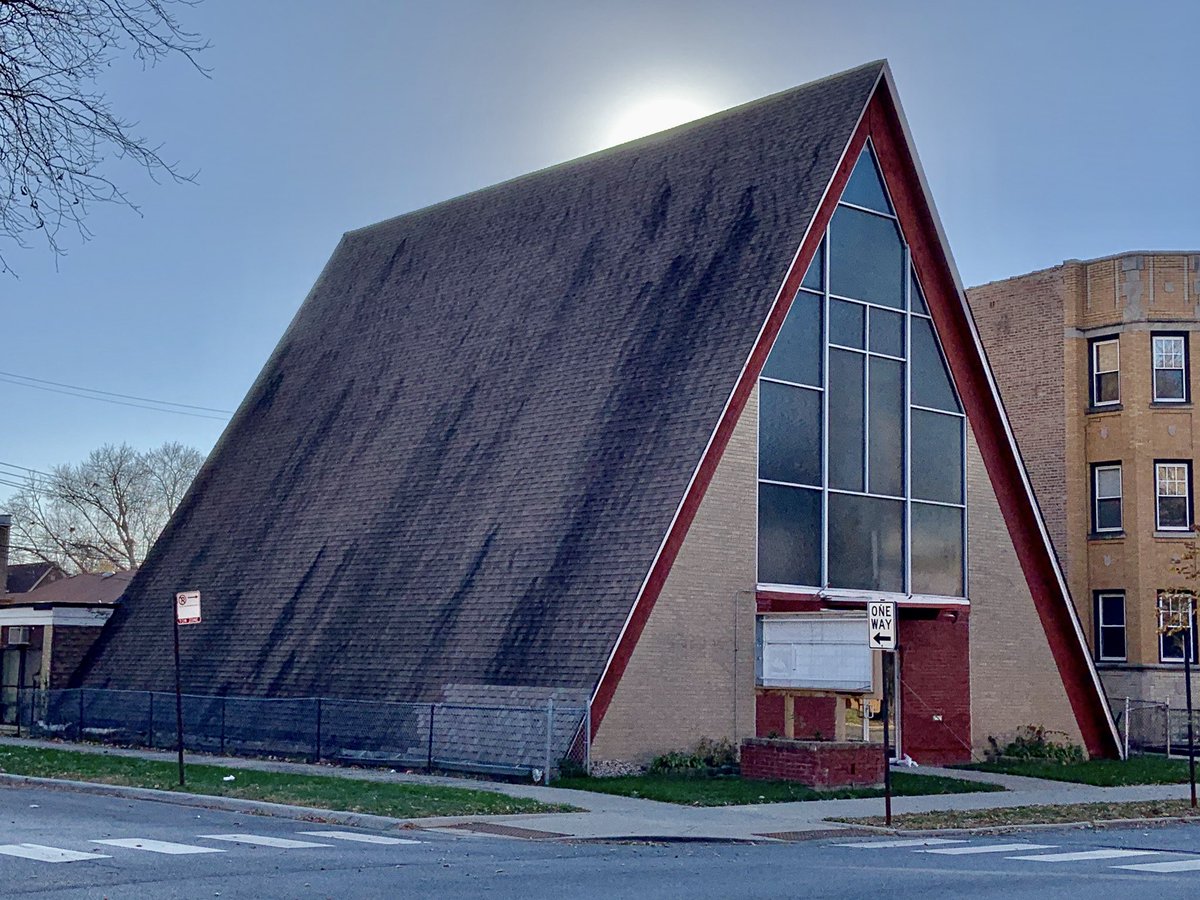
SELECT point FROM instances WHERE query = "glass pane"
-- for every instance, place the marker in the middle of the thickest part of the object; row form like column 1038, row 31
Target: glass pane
column 1172, row 512
column 937, row 457
column 887, row 332
column 789, row 435
column 916, row 298
column 1108, row 389
column 866, row 543
column 931, row 385
column 1168, row 352
column 846, row 322
column 1106, row 356
column 937, row 550
column 866, row 258
column 885, row 422
column 1108, row 515
column 789, row 535
column 865, row 187
column 1108, row 482
column 846, row 420
column 796, row 354
column 1112, row 643
column 1112, row 609
column 1168, row 384
column 814, row 278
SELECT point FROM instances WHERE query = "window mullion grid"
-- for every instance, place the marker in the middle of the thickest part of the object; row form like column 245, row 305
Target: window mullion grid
column 906, row 442
column 825, row 410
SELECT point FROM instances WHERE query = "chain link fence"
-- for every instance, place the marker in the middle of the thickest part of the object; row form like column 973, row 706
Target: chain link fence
column 1152, row 726
column 529, row 741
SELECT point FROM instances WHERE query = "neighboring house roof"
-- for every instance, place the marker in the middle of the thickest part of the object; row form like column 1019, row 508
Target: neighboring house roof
column 469, row 457
column 24, row 577
column 73, row 590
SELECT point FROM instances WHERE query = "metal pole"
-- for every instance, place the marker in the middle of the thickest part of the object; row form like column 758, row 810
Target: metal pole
column 79, row 732
column 887, row 757
column 429, row 762
column 222, row 726
column 318, row 729
column 549, row 734
column 1168, row 728
column 20, row 685
column 1127, row 728
column 587, row 739
column 150, row 730
column 1187, row 687
column 178, row 699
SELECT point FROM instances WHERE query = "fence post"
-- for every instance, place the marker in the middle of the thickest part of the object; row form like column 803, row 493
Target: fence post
column 549, row 736
column 587, row 738
column 150, row 727
column 222, row 725
column 318, row 729
column 79, row 728
column 429, row 761
column 1127, row 728
column 18, row 709
column 1168, row 728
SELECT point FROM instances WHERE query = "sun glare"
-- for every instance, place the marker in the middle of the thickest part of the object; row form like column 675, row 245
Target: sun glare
column 654, row 114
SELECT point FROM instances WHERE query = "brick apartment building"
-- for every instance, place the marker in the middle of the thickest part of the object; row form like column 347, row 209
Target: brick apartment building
column 1093, row 359
column 652, row 428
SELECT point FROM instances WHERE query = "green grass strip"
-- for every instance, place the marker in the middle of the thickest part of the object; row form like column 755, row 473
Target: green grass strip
column 1099, row 772
column 702, row 790
column 399, row 800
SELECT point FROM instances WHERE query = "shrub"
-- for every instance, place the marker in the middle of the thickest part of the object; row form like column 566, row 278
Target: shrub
column 1033, row 742
column 709, row 758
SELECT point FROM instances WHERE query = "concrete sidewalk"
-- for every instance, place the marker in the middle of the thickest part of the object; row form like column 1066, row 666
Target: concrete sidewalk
column 608, row 816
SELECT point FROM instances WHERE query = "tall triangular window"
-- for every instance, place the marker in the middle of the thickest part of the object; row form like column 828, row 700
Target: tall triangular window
column 861, row 432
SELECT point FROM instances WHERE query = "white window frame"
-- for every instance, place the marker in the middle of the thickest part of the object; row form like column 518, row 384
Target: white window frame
column 1096, row 373
column 1101, row 626
column 1186, row 479
column 1096, row 498
column 1190, row 638
column 1156, row 368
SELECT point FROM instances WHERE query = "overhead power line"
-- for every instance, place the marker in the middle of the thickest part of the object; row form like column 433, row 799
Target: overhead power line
column 86, row 393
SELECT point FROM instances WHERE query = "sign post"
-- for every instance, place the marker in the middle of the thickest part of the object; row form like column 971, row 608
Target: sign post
column 187, row 612
column 881, row 635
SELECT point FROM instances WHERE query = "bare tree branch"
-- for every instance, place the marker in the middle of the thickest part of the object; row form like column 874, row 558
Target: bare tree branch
column 104, row 513
column 57, row 130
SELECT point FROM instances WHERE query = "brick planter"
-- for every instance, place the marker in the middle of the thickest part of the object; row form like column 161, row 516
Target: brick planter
column 818, row 764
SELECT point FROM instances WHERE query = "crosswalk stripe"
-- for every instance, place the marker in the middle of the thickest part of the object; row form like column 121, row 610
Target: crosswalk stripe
column 360, row 838
column 910, row 842
column 157, row 846
column 263, row 841
column 1179, row 865
column 988, row 848
column 1084, row 855
column 42, row 853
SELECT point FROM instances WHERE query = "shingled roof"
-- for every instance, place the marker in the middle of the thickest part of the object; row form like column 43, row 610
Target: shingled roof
column 460, row 461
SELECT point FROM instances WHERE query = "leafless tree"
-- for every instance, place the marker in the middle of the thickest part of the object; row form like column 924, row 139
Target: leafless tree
column 104, row 513
column 57, row 129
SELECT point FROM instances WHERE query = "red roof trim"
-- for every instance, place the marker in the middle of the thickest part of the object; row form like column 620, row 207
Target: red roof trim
column 883, row 124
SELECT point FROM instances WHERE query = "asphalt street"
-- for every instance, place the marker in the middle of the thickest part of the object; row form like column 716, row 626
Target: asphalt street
column 57, row 844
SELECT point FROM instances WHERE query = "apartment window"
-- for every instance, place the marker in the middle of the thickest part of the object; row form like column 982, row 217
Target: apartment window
column 1170, row 368
column 1106, row 494
column 1173, row 506
column 1106, row 372
column 1175, row 629
column 1110, row 626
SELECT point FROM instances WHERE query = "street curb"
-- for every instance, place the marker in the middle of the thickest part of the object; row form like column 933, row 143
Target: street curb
column 251, row 807
column 1156, row 822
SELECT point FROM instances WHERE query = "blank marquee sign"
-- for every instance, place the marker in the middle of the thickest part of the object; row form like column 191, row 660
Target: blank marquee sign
column 881, row 625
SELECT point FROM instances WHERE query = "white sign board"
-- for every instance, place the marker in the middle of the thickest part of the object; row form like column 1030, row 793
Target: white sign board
column 187, row 607
column 881, row 625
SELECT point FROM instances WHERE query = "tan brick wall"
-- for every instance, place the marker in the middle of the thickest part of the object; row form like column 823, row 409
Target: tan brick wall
column 1014, row 678
column 692, row 672
column 1021, row 322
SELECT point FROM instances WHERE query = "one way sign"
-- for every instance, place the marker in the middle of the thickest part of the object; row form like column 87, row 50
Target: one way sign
column 881, row 625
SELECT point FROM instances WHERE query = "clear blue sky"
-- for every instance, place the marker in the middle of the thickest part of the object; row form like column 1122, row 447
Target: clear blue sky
column 1048, row 131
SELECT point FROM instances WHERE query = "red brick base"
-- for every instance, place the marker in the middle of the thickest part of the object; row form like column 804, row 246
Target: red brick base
column 819, row 764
